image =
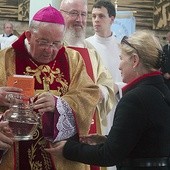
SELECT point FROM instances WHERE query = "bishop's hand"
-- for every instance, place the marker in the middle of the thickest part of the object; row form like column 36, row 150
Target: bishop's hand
column 45, row 102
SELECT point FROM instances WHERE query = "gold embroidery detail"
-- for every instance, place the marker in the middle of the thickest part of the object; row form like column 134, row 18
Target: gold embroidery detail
column 46, row 76
column 39, row 165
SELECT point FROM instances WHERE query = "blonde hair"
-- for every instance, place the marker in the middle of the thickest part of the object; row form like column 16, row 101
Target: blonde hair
column 147, row 46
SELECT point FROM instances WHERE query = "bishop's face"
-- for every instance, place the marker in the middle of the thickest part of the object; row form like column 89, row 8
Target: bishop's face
column 45, row 42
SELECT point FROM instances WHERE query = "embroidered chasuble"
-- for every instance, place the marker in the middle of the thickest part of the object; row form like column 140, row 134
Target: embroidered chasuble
column 56, row 72
column 64, row 77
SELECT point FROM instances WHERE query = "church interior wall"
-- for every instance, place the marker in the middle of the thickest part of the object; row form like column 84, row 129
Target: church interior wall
column 145, row 11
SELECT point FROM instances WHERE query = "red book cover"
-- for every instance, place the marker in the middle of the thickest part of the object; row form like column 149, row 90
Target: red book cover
column 24, row 82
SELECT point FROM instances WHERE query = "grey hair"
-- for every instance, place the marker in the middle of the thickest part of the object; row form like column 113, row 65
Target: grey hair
column 8, row 22
column 64, row 2
column 34, row 25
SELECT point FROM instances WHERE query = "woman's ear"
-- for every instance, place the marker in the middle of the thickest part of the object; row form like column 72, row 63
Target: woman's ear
column 28, row 35
column 135, row 60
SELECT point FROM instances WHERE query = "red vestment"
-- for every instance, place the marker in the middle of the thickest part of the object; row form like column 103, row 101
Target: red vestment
column 30, row 150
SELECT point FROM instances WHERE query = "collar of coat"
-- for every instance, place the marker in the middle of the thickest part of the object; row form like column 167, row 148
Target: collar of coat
column 137, row 80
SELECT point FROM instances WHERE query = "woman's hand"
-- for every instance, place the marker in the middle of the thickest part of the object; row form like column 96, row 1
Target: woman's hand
column 56, row 149
column 93, row 139
column 167, row 76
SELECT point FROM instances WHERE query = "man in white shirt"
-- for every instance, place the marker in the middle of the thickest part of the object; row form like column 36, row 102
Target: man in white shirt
column 7, row 38
column 103, row 15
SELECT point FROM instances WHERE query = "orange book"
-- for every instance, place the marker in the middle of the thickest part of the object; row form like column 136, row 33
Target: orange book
column 24, row 82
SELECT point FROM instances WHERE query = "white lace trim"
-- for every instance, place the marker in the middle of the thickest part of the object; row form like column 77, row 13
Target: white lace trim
column 66, row 123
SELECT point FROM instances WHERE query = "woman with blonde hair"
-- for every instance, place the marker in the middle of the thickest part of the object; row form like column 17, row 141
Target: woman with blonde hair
column 140, row 136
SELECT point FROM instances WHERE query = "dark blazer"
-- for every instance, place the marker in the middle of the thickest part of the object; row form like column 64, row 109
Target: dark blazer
column 166, row 64
column 141, row 127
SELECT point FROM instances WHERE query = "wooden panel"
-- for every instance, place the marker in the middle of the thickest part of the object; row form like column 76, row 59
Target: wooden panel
column 9, row 9
column 143, row 10
column 145, row 3
column 9, row 13
column 161, row 18
column 143, row 22
column 139, row 12
column 23, row 10
column 15, row 9
column 8, row 3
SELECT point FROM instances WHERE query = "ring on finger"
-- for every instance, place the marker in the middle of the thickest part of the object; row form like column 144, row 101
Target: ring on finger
column 9, row 97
